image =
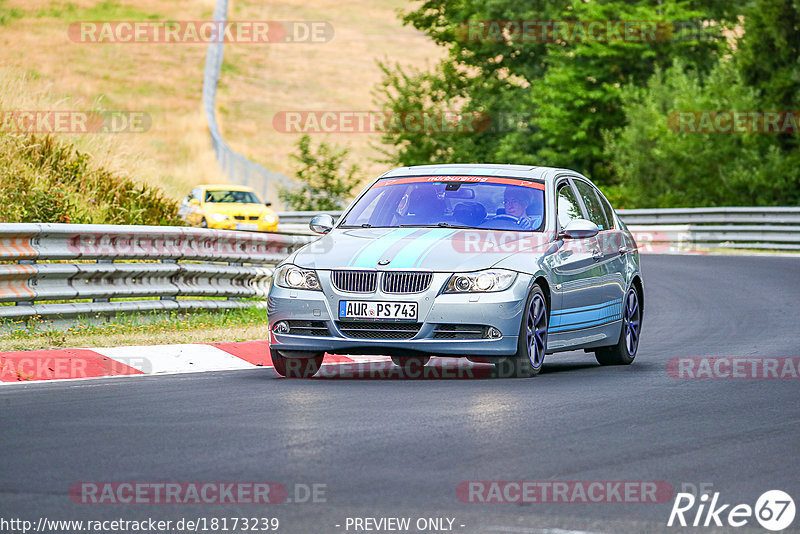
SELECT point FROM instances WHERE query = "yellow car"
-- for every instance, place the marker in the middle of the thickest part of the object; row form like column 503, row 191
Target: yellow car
column 228, row 207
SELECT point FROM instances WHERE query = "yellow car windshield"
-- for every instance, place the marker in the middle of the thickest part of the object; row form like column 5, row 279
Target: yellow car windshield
column 240, row 197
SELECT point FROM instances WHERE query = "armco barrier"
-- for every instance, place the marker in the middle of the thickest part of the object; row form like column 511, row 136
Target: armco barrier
column 716, row 216
column 42, row 263
column 678, row 229
column 767, row 228
column 63, row 262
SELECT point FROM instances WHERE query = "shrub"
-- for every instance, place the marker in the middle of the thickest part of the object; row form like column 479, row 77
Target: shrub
column 45, row 180
column 325, row 181
column 659, row 167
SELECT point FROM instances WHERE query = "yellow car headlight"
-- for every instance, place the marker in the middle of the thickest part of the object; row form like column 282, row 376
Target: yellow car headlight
column 218, row 217
column 268, row 218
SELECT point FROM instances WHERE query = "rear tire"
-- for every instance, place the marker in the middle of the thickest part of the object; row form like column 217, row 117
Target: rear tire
column 411, row 363
column 296, row 367
column 624, row 352
column 532, row 342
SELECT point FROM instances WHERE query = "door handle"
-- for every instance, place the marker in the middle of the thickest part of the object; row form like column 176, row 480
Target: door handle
column 597, row 254
column 625, row 250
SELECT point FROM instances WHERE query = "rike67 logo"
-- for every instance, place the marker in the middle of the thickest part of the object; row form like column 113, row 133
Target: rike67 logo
column 774, row 510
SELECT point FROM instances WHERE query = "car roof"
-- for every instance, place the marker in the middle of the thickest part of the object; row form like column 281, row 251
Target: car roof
column 226, row 187
column 482, row 169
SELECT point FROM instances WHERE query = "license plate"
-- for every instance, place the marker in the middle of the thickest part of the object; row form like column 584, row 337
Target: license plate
column 364, row 309
column 246, row 226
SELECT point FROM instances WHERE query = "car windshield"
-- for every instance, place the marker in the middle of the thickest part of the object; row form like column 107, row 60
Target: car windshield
column 490, row 202
column 224, row 195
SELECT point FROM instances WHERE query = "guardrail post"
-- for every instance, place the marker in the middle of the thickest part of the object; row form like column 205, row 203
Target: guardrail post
column 103, row 299
column 235, row 264
column 25, row 302
column 168, row 297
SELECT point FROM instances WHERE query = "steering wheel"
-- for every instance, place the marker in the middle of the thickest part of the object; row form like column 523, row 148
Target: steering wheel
column 505, row 217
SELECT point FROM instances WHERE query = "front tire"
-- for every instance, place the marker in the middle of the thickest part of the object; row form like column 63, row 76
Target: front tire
column 532, row 342
column 296, row 367
column 624, row 352
column 203, row 223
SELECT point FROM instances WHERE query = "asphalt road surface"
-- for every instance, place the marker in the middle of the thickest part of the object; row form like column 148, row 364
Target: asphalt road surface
column 382, row 448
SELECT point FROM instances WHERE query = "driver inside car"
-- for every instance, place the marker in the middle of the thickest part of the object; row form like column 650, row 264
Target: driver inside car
column 521, row 203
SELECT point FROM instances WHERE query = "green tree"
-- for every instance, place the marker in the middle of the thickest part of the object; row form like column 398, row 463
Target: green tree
column 658, row 165
column 325, row 182
column 565, row 93
column 769, row 57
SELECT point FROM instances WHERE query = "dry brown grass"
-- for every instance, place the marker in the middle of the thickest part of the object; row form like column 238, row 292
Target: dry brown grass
column 339, row 75
column 42, row 69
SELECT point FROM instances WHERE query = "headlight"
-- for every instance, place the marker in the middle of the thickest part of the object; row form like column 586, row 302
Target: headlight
column 293, row 277
column 218, row 217
column 480, row 281
column 268, row 218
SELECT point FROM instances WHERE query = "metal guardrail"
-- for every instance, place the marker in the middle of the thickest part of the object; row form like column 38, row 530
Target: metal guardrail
column 704, row 216
column 62, row 262
column 238, row 168
column 677, row 229
column 43, row 263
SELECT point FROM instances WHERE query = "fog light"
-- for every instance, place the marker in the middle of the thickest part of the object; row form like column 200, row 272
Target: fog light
column 493, row 333
column 281, row 327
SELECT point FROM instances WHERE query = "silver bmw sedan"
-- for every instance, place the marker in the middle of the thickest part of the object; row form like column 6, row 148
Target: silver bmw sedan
column 496, row 263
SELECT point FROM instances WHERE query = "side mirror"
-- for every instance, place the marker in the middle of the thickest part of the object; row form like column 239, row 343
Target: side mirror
column 580, row 229
column 321, row 224
column 268, row 204
column 194, row 202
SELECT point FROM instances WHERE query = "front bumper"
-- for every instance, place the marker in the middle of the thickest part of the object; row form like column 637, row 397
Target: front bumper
column 228, row 224
column 501, row 310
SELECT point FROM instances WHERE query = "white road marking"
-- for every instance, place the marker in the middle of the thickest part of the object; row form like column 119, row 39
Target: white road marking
column 158, row 359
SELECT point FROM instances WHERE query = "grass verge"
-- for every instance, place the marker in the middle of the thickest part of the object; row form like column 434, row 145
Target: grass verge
column 247, row 324
column 45, row 179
